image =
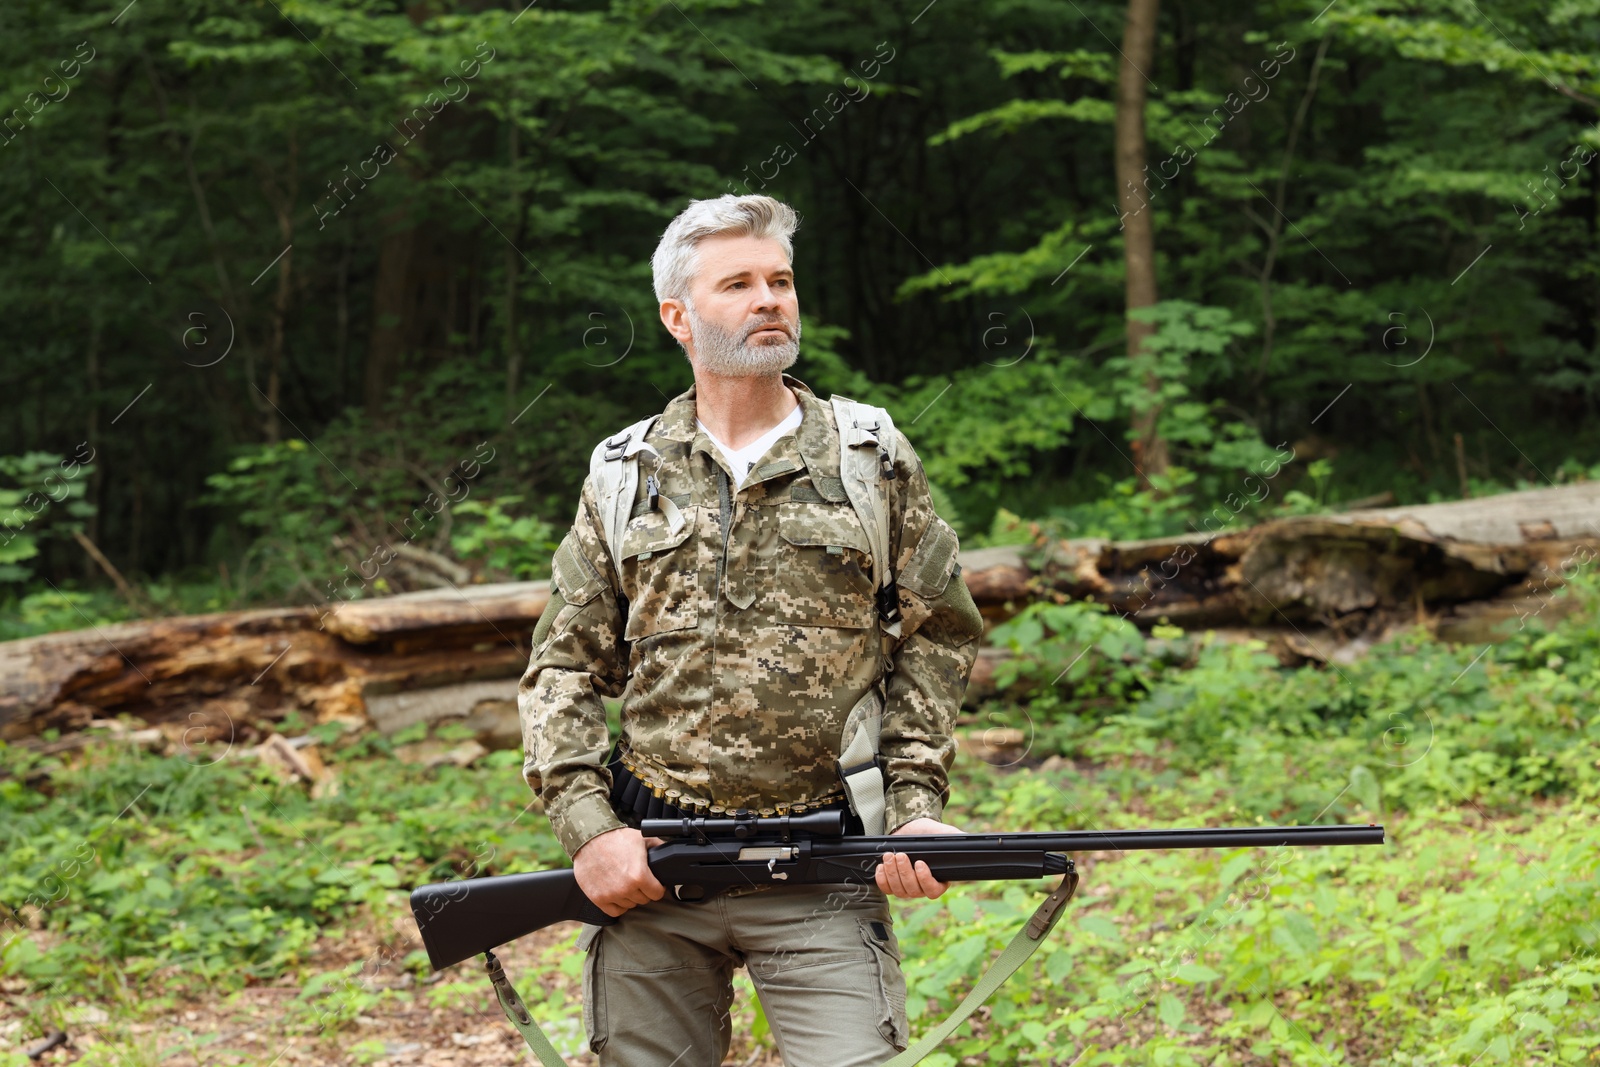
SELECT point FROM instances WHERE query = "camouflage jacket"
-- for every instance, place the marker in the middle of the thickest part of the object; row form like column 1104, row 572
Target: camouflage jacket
column 740, row 643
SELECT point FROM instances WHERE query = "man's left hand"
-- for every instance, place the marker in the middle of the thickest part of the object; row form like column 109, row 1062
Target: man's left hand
column 899, row 877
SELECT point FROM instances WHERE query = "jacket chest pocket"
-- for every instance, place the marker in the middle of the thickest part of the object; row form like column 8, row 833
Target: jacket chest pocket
column 661, row 574
column 825, row 567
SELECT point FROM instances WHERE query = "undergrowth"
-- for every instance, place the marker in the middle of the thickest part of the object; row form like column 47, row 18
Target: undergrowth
column 134, row 881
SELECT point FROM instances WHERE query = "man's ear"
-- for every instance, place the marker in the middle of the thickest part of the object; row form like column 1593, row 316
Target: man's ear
column 675, row 317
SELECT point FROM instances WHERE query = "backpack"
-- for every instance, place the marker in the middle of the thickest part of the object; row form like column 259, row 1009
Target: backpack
column 866, row 464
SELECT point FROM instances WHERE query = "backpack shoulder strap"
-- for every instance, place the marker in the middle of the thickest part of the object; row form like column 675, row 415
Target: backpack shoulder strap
column 614, row 473
column 866, row 465
column 867, row 448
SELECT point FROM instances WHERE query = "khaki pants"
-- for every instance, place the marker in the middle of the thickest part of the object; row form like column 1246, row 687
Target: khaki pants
column 657, row 986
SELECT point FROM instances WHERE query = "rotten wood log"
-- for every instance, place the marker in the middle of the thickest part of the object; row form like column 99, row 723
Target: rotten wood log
column 218, row 673
column 1317, row 588
column 1324, row 587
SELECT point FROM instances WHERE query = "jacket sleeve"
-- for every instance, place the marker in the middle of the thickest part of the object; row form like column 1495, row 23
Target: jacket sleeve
column 578, row 657
column 940, row 633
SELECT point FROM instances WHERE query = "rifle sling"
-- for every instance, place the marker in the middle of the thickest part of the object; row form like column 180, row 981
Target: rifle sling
column 540, row 1045
column 1023, row 945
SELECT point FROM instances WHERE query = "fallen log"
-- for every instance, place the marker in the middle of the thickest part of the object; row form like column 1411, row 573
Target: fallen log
column 1318, row 588
column 219, row 673
column 1325, row 587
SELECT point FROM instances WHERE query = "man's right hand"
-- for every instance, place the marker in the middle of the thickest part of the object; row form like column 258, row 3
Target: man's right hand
column 612, row 871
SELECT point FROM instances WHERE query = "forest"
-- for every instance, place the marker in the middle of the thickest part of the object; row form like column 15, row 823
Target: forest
column 276, row 270
column 316, row 302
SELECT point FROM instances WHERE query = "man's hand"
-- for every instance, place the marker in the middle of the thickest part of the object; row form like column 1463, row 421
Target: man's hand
column 612, row 871
column 899, row 877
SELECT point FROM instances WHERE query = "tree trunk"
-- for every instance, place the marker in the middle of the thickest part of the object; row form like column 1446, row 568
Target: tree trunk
column 1133, row 194
column 94, row 492
column 341, row 345
column 282, row 200
column 386, row 350
column 513, row 353
column 280, row 322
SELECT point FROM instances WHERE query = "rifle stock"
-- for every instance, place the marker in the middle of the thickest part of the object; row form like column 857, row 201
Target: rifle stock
column 459, row 920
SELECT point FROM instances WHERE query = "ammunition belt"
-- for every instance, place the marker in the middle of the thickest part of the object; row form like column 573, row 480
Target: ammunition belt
column 639, row 790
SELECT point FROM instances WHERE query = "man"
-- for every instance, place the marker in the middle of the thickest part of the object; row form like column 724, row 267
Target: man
column 741, row 631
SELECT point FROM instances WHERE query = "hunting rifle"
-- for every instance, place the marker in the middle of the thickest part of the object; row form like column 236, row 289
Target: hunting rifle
column 461, row 919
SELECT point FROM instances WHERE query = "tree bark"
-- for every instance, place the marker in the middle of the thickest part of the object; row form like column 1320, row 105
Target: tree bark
column 1133, row 195
column 513, row 353
column 386, row 350
column 94, row 492
column 283, row 207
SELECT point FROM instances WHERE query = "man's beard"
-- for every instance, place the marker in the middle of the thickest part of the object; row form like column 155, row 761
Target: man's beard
column 730, row 353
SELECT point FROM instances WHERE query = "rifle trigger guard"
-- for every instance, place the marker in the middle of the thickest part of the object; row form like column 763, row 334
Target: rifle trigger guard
column 1045, row 917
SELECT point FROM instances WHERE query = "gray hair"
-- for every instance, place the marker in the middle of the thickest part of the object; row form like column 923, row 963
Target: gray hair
column 677, row 257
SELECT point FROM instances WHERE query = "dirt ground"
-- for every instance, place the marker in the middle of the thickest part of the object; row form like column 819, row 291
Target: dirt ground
column 446, row 1020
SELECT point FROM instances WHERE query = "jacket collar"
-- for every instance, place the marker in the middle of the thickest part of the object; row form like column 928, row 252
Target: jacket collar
column 817, row 438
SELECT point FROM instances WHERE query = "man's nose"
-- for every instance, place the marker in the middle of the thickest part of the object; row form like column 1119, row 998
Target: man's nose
column 766, row 296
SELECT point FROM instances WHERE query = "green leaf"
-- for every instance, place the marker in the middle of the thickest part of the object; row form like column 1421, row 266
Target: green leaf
column 1237, row 866
column 1195, row 972
column 1294, row 932
column 21, row 546
column 1100, row 927
column 1364, row 787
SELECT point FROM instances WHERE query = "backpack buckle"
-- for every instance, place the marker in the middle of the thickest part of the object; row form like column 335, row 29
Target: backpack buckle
column 845, row 772
column 885, row 464
column 888, row 600
column 617, row 447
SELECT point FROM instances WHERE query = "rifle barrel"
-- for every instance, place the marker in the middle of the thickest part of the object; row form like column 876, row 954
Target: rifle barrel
column 1118, row 840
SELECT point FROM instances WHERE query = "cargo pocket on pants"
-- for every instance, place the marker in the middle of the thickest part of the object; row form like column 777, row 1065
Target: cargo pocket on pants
column 594, row 994
column 889, row 983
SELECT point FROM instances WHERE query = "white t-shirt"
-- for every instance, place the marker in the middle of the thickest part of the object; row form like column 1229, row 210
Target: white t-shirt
column 741, row 460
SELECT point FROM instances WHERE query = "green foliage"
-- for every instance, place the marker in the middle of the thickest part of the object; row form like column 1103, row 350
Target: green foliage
column 331, row 520
column 1426, row 724
column 1470, row 935
column 1394, row 202
column 1079, row 645
column 45, row 494
column 207, row 875
column 1160, row 376
column 1131, row 508
column 58, row 609
column 1298, row 502
column 1456, row 935
column 293, row 499
column 515, row 547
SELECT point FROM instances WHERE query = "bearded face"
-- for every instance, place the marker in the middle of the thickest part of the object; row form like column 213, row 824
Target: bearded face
column 762, row 346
